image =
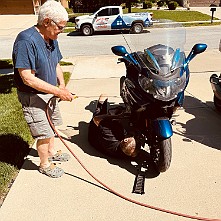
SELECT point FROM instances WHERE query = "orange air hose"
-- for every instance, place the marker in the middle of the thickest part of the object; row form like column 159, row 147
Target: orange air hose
column 113, row 191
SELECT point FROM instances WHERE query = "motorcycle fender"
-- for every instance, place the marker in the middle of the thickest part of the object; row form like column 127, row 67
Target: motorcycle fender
column 163, row 128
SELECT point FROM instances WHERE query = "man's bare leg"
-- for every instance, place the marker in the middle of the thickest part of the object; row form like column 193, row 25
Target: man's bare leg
column 43, row 148
column 51, row 149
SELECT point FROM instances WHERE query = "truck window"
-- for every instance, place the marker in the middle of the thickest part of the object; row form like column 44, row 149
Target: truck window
column 114, row 11
column 103, row 12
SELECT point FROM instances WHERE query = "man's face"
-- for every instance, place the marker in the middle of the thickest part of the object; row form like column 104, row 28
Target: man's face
column 130, row 147
column 53, row 29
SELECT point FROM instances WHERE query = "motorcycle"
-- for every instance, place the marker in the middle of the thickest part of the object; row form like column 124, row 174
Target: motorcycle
column 154, row 85
column 215, row 82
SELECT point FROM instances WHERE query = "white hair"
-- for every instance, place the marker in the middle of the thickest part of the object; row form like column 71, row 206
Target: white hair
column 53, row 10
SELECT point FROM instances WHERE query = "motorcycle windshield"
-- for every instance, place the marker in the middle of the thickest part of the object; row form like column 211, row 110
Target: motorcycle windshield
column 160, row 53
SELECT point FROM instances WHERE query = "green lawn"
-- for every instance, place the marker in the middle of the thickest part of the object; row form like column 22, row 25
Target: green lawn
column 177, row 15
column 15, row 138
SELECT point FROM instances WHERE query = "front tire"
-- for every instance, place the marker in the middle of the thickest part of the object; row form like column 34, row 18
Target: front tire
column 137, row 28
column 161, row 153
column 87, row 30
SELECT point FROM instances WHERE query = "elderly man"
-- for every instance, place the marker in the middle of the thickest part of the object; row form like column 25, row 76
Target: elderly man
column 38, row 77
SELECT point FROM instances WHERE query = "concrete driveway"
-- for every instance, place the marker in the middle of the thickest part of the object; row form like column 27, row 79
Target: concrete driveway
column 191, row 186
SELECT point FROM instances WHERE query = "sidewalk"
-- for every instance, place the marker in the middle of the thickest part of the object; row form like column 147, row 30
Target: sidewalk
column 11, row 25
column 206, row 10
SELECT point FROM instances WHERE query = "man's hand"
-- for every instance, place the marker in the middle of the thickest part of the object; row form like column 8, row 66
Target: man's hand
column 65, row 95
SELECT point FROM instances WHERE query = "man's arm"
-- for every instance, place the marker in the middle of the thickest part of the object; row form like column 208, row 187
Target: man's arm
column 97, row 119
column 60, row 76
column 29, row 79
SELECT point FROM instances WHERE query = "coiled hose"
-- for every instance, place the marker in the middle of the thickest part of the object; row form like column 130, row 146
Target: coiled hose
column 113, row 191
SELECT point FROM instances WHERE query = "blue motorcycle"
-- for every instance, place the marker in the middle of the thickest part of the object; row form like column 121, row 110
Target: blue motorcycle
column 154, row 85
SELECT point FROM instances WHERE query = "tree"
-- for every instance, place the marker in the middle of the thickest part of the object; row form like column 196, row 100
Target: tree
column 129, row 4
column 93, row 5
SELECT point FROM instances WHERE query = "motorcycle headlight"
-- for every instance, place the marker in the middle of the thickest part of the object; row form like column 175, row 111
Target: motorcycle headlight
column 146, row 84
column 164, row 90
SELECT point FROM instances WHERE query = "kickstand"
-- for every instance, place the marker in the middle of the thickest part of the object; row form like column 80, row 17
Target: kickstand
column 139, row 181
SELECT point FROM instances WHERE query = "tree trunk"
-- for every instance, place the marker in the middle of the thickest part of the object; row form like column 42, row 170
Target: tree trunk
column 128, row 5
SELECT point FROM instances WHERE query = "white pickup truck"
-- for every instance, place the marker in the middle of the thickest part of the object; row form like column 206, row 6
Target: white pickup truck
column 111, row 18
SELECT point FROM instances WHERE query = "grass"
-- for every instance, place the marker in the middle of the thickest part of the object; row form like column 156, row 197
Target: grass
column 15, row 137
column 177, row 15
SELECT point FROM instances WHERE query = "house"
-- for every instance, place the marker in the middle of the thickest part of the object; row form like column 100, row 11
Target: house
column 199, row 3
column 32, row 6
column 17, row 7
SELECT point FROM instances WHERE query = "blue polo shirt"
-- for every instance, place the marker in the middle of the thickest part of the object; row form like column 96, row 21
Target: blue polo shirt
column 31, row 51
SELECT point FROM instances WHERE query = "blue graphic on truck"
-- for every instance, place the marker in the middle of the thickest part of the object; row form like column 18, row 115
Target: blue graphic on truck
column 119, row 23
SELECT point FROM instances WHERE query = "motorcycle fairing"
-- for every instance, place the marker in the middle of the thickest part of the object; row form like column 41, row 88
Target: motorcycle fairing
column 164, row 90
column 163, row 77
column 162, row 128
column 164, row 60
column 137, row 99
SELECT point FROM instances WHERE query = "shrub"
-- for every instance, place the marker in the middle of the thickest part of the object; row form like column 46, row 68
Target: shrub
column 160, row 3
column 172, row 5
column 147, row 4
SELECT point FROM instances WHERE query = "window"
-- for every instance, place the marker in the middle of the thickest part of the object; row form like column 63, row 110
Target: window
column 114, row 11
column 103, row 12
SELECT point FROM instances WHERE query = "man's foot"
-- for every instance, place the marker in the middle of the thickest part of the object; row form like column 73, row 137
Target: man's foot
column 52, row 171
column 59, row 156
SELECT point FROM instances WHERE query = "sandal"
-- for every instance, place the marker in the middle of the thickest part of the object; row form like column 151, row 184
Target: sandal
column 52, row 171
column 59, row 156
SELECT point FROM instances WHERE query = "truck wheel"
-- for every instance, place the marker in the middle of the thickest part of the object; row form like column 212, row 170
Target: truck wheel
column 86, row 30
column 137, row 28
column 161, row 153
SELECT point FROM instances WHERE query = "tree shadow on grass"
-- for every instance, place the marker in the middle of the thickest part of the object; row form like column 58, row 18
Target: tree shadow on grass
column 6, row 84
column 13, row 149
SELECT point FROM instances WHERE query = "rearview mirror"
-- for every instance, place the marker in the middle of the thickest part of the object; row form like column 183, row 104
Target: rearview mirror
column 119, row 50
column 197, row 49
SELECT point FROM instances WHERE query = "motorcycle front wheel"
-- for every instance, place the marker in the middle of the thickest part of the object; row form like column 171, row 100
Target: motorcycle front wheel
column 161, row 153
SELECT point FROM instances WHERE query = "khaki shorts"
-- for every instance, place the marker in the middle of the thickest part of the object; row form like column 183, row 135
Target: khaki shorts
column 34, row 106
